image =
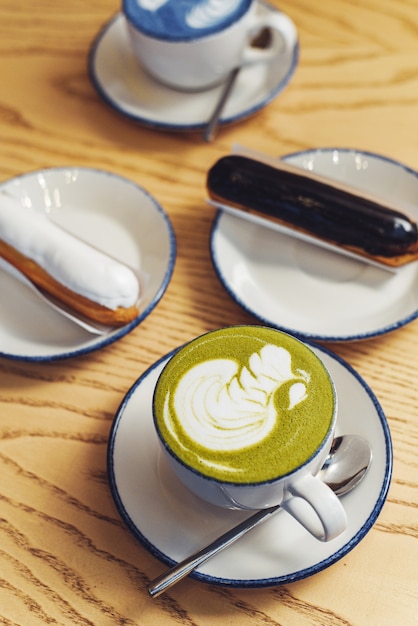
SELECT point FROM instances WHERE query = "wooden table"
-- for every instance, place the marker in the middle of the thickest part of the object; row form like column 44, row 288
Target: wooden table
column 66, row 556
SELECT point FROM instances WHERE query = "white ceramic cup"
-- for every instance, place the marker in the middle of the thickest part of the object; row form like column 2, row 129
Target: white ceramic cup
column 195, row 58
column 271, row 365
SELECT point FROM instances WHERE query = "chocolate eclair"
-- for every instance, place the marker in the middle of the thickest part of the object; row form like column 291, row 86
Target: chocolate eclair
column 321, row 208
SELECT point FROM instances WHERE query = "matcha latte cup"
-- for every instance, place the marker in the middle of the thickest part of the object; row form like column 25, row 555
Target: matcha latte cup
column 246, row 418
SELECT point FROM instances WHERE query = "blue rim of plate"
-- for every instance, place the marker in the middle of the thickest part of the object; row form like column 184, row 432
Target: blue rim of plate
column 198, row 126
column 298, row 333
column 271, row 581
column 113, row 336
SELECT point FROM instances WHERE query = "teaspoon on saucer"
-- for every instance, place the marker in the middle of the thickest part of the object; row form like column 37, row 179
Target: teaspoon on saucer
column 210, row 129
column 345, row 467
column 262, row 40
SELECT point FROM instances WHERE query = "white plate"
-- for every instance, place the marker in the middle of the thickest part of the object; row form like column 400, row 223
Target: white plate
column 172, row 523
column 309, row 291
column 109, row 212
column 126, row 87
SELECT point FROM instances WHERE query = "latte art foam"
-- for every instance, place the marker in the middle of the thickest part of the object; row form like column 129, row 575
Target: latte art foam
column 209, row 13
column 244, row 404
column 228, row 407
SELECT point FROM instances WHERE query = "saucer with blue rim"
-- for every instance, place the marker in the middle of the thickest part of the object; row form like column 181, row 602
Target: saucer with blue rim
column 109, row 212
column 309, row 291
column 172, row 523
column 127, row 88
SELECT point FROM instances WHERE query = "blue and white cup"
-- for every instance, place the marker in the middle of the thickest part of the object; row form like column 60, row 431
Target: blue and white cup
column 194, row 44
column 246, row 417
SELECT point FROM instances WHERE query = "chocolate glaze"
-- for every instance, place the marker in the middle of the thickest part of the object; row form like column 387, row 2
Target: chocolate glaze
column 301, row 202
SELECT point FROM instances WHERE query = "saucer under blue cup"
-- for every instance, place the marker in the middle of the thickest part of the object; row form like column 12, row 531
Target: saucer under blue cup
column 128, row 89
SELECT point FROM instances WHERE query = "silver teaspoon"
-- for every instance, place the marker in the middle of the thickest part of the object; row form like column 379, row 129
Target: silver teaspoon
column 346, row 465
column 210, row 129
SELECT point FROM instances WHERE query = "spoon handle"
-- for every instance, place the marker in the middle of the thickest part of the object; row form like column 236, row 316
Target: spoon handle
column 183, row 569
column 212, row 125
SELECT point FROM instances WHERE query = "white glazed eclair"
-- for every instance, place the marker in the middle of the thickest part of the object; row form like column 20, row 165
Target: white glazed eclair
column 80, row 276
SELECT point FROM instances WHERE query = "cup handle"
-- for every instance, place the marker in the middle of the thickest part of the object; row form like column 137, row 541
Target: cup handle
column 314, row 505
column 283, row 38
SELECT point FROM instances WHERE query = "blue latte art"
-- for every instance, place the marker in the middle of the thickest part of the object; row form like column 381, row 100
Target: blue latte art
column 210, row 13
column 181, row 20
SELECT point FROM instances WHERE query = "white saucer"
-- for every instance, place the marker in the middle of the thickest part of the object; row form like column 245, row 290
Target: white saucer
column 309, row 291
column 172, row 523
column 126, row 87
column 111, row 213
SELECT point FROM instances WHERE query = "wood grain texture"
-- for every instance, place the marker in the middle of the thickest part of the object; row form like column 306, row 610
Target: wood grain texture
column 66, row 557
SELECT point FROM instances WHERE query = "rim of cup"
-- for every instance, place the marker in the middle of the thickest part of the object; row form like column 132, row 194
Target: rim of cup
column 281, row 477
column 134, row 13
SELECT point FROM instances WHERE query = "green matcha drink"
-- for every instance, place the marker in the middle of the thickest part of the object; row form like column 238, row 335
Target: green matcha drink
column 244, row 404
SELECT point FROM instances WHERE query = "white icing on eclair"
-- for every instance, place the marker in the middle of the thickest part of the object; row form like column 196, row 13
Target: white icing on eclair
column 72, row 262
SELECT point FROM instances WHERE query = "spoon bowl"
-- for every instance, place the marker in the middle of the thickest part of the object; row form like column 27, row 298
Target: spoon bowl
column 347, row 463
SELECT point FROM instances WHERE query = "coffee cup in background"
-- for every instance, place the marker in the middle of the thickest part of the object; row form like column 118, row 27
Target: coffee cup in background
column 194, row 44
column 246, row 417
